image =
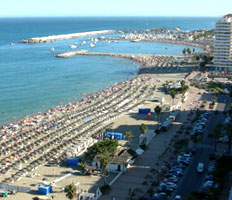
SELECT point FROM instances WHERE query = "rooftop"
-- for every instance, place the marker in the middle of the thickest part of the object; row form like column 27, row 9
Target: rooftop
column 226, row 18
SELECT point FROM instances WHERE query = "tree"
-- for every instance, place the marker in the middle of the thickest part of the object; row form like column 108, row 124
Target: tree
column 102, row 147
column 229, row 134
column 104, row 160
column 71, row 191
column 182, row 84
column 129, row 136
column 143, row 128
column 196, row 139
column 158, row 111
column 82, row 165
column 189, row 51
column 184, row 51
column 173, row 94
column 197, row 57
column 216, row 135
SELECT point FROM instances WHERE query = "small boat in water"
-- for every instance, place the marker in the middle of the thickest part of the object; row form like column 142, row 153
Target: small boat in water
column 11, row 43
column 91, row 45
column 72, row 46
column 52, row 49
column 83, row 42
column 137, row 40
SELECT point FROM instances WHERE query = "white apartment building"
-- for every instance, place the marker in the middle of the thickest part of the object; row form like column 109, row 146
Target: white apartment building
column 223, row 43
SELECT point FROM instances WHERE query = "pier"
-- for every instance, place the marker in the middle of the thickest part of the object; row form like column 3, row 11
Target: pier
column 53, row 38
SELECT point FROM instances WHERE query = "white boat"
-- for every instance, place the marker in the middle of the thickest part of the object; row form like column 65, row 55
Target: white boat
column 91, row 45
column 83, row 42
column 11, row 43
column 136, row 40
column 72, row 46
column 52, row 49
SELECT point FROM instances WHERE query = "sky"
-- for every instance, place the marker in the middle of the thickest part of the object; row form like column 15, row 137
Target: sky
column 53, row 8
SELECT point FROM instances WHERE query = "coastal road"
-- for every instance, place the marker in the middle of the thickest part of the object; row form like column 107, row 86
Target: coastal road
column 191, row 180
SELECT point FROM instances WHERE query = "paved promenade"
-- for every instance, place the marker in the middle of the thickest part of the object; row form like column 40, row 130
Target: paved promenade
column 135, row 175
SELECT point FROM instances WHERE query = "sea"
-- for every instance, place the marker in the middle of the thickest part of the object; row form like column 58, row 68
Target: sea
column 31, row 78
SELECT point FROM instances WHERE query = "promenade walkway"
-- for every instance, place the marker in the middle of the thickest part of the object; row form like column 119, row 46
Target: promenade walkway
column 135, row 175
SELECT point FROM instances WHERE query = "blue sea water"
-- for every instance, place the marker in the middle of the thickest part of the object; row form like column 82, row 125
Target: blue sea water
column 32, row 79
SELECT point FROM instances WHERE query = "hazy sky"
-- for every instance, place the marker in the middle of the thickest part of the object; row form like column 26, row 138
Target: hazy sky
column 25, row 8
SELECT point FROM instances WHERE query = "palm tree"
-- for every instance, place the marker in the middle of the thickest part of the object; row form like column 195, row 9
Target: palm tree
column 104, row 160
column 82, row 165
column 158, row 111
column 129, row 135
column 71, row 191
column 182, row 84
column 173, row 94
column 229, row 134
column 143, row 128
column 184, row 51
column 216, row 135
column 188, row 51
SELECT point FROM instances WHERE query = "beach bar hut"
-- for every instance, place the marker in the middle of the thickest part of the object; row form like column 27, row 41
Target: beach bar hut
column 144, row 110
column 73, row 162
column 44, row 189
column 114, row 136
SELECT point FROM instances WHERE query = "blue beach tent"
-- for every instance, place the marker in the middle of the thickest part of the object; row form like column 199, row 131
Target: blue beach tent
column 73, row 162
column 44, row 189
column 144, row 110
column 115, row 136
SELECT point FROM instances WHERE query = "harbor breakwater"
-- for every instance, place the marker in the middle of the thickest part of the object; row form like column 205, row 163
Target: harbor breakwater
column 120, row 55
column 146, row 60
column 53, row 38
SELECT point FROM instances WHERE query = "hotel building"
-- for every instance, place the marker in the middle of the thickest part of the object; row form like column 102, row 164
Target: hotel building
column 223, row 43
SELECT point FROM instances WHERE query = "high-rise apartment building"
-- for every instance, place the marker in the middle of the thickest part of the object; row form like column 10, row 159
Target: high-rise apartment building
column 223, row 43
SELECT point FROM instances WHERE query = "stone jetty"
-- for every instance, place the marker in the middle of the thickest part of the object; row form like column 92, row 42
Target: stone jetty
column 146, row 60
column 53, row 38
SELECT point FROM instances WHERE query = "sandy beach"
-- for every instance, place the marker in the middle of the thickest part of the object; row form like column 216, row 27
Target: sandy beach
column 28, row 145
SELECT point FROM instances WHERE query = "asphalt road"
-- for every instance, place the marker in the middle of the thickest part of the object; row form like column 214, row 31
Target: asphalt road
column 191, row 180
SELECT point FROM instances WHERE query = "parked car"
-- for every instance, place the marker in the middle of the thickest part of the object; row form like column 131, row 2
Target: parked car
column 178, row 197
column 159, row 196
column 173, row 179
column 224, row 139
column 209, row 177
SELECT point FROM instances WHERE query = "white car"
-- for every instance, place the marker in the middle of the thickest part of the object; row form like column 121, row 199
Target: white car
column 200, row 167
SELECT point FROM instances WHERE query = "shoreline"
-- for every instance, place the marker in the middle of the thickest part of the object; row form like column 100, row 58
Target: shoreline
column 54, row 38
